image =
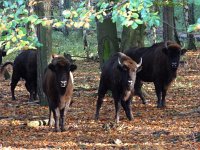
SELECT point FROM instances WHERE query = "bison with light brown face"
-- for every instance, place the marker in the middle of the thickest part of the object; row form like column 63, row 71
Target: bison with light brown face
column 58, row 87
column 160, row 64
column 118, row 75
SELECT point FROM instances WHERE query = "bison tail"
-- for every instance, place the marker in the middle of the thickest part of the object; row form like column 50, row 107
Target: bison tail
column 4, row 66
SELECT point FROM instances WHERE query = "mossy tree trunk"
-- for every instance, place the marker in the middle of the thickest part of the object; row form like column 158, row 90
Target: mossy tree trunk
column 44, row 37
column 188, row 10
column 132, row 37
column 107, row 40
column 191, row 40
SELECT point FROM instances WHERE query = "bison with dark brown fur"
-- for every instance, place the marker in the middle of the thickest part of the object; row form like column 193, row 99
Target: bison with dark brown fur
column 58, row 87
column 25, row 67
column 118, row 75
column 160, row 64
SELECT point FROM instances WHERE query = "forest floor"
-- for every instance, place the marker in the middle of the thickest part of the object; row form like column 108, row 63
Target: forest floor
column 175, row 127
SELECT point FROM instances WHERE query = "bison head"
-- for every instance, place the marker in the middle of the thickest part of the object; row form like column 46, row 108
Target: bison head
column 62, row 68
column 173, row 52
column 128, row 69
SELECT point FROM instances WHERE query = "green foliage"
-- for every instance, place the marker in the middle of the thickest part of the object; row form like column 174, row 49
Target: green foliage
column 14, row 18
column 17, row 25
column 194, row 27
column 131, row 13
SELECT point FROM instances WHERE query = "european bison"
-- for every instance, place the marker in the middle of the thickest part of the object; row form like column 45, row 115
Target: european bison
column 58, row 87
column 160, row 64
column 118, row 75
column 25, row 67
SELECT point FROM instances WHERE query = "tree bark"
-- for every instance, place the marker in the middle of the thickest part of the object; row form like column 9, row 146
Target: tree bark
column 191, row 40
column 44, row 37
column 107, row 40
column 168, row 22
column 189, row 19
column 132, row 38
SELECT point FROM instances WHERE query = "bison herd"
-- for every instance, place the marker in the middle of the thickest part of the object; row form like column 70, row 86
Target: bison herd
column 123, row 74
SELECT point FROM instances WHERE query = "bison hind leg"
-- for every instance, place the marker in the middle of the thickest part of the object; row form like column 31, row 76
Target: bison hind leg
column 138, row 90
column 101, row 93
column 14, row 81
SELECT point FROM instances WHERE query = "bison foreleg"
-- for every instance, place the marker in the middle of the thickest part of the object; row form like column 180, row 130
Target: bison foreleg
column 163, row 103
column 56, row 114
column 158, row 94
column 50, row 117
column 63, row 113
column 127, row 108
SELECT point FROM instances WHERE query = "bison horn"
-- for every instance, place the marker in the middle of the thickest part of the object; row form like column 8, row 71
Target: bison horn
column 166, row 44
column 119, row 62
column 140, row 63
column 119, row 58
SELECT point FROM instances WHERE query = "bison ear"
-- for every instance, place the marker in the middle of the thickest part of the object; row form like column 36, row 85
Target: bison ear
column 183, row 51
column 73, row 67
column 51, row 67
column 3, row 53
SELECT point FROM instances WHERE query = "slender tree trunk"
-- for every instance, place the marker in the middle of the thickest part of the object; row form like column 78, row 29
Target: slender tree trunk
column 175, row 32
column 191, row 40
column 189, row 19
column 66, row 5
column 44, row 37
column 107, row 40
column 168, row 22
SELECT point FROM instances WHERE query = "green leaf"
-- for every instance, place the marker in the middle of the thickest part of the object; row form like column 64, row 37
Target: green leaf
column 134, row 25
column 66, row 13
column 138, row 21
column 198, row 20
column 134, row 15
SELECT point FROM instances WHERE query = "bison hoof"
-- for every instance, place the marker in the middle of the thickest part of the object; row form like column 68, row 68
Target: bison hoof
column 57, row 130
column 63, row 129
column 160, row 106
column 130, row 118
column 144, row 102
column 96, row 118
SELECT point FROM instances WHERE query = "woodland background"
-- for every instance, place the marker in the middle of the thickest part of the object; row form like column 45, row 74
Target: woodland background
column 175, row 127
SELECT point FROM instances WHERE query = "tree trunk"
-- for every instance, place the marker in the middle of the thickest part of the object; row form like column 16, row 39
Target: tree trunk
column 168, row 22
column 44, row 37
column 132, row 38
column 175, row 32
column 189, row 19
column 66, row 5
column 107, row 40
column 191, row 40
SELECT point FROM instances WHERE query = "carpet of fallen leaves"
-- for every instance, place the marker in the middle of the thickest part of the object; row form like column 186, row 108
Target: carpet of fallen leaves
column 175, row 127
